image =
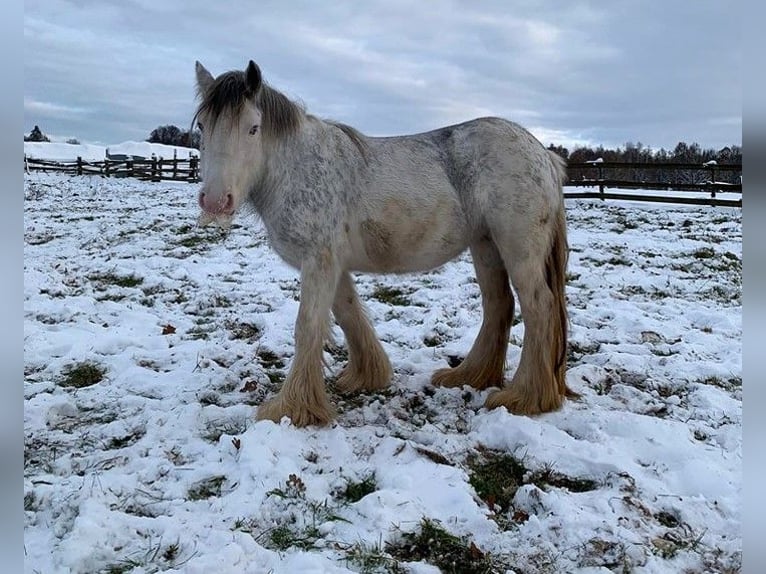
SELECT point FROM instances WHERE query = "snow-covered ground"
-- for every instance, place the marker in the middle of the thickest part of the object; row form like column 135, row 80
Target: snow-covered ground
column 158, row 466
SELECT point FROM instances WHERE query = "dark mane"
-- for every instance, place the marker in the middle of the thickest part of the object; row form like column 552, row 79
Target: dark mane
column 229, row 93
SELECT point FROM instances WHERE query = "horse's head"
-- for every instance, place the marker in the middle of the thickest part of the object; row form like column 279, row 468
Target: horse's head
column 231, row 149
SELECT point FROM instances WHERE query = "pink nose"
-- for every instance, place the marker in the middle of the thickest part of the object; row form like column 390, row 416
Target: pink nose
column 219, row 204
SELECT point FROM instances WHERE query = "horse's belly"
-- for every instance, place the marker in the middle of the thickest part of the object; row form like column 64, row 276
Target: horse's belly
column 404, row 243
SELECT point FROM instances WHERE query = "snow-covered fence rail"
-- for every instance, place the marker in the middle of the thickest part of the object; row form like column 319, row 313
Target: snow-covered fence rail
column 691, row 183
column 150, row 169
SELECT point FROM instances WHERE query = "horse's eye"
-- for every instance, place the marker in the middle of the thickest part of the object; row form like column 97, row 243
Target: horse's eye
column 253, row 129
column 199, row 126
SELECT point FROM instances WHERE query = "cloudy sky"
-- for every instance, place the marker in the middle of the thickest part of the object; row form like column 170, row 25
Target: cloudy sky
column 573, row 72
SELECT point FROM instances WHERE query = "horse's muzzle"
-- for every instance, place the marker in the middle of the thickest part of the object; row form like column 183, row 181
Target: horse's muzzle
column 223, row 205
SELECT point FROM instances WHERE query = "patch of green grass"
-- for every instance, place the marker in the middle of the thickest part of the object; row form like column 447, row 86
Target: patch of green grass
column 186, row 228
column 192, row 241
column 704, row 253
column 215, row 429
column 30, row 501
column 242, row 330
column 156, row 558
column 391, row 295
column 667, row 519
column 431, row 543
column 432, row 341
column 302, row 520
column 276, row 377
column 496, row 477
column 206, row 488
column 547, row 476
column 118, row 280
column 126, row 440
column 82, row 374
column 373, row 560
column 122, row 567
column 269, row 359
column 729, row 384
column 356, row 491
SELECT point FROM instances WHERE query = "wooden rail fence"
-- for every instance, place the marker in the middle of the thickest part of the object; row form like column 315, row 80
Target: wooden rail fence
column 680, row 178
column 150, row 169
column 686, row 181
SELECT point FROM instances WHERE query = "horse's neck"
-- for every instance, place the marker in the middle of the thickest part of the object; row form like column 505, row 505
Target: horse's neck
column 295, row 151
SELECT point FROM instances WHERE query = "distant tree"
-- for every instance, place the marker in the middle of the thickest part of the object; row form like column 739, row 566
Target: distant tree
column 73, row 141
column 173, row 135
column 168, row 135
column 560, row 150
column 36, row 135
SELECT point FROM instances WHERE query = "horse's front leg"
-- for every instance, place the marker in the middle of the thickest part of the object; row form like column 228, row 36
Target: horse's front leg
column 302, row 397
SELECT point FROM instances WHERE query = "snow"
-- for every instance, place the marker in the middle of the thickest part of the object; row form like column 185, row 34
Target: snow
column 160, row 466
column 90, row 152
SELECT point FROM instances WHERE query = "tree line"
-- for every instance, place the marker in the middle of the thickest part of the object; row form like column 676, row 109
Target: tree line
column 638, row 153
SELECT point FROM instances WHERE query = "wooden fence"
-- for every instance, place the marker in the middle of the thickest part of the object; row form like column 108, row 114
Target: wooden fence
column 687, row 182
column 151, row 169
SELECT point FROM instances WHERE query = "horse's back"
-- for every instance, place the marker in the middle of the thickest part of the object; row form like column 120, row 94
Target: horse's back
column 489, row 164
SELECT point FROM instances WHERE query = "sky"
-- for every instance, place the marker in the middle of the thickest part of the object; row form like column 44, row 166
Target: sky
column 574, row 73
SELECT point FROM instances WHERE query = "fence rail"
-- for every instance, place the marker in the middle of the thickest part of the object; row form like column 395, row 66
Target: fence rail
column 680, row 178
column 151, row 169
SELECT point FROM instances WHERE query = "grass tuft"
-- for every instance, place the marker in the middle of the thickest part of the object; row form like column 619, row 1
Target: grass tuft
column 356, row 491
column 82, row 374
column 391, row 296
column 451, row 554
column 207, row 488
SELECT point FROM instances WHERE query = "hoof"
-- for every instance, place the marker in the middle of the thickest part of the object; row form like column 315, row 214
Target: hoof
column 457, row 377
column 521, row 400
column 301, row 415
column 351, row 381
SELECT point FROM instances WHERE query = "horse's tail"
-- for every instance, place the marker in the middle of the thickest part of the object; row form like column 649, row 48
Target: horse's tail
column 555, row 274
column 559, row 165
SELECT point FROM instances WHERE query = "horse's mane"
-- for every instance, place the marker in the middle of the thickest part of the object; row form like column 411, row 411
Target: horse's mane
column 281, row 116
column 228, row 93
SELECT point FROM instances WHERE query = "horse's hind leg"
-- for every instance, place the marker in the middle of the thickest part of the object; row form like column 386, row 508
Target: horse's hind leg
column 536, row 260
column 485, row 363
column 368, row 367
column 303, row 397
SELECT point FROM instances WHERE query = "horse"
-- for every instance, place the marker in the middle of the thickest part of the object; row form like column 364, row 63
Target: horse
column 334, row 201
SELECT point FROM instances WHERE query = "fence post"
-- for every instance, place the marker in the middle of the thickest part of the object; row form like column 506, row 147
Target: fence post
column 193, row 168
column 79, row 165
column 601, row 182
column 106, row 167
column 154, row 167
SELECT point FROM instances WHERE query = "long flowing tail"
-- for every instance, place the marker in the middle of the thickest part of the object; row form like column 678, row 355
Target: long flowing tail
column 555, row 275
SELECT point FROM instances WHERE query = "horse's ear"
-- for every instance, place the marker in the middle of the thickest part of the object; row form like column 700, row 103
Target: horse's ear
column 253, row 77
column 204, row 78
